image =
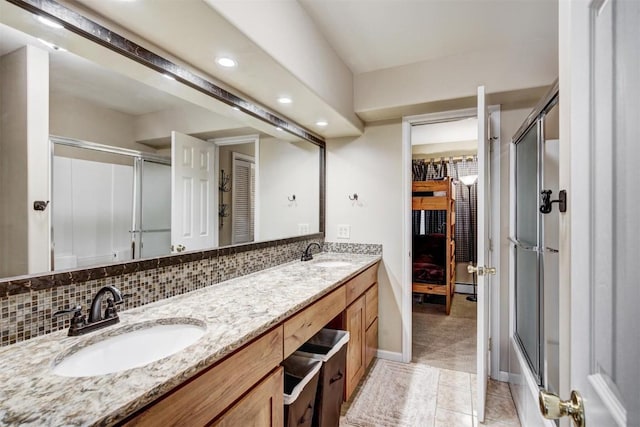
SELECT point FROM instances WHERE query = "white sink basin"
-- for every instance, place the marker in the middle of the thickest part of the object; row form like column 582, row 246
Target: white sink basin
column 331, row 264
column 133, row 346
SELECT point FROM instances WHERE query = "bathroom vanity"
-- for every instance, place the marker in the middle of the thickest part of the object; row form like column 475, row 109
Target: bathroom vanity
column 230, row 376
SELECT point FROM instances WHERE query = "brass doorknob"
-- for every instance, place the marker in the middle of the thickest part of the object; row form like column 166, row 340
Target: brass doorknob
column 552, row 407
column 481, row 271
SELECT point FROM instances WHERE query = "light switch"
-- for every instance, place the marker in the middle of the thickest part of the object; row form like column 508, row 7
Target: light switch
column 344, row 231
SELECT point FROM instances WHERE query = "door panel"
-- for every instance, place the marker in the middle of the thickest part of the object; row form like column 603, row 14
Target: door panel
column 483, row 259
column 604, row 237
column 193, row 214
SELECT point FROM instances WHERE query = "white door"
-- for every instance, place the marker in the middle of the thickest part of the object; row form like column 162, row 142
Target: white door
column 483, row 268
column 193, row 213
column 599, row 119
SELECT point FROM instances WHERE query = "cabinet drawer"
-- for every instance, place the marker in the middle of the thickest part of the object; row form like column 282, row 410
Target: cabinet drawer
column 360, row 283
column 371, row 305
column 371, row 343
column 302, row 326
column 205, row 397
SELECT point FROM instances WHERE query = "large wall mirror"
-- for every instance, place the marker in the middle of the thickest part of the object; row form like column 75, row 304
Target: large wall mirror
column 104, row 159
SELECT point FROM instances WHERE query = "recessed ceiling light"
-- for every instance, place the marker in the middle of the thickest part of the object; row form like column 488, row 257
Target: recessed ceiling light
column 168, row 77
column 279, row 128
column 322, row 123
column 284, row 100
column 236, row 108
column 49, row 23
column 226, row 62
column 52, row 46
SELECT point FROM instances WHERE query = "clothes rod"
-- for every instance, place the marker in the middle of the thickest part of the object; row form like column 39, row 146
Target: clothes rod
column 447, row 159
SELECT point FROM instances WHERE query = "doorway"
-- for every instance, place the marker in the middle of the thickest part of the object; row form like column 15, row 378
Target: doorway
column 444, row 217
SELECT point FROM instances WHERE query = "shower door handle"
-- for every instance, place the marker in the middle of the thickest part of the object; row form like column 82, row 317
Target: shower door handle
column 481, row 271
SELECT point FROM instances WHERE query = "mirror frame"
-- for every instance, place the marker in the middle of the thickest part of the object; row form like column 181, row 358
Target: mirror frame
column 91, row 30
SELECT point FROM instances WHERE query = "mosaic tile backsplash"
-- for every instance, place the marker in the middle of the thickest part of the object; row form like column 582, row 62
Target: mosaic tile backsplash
column 353, row 248
column 29, row 314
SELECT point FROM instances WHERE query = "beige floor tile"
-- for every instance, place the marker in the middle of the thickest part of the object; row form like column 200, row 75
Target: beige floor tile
column 454, row 399
column 446, row 418
column 498, row 388
column 455, row 379
column 500, row 408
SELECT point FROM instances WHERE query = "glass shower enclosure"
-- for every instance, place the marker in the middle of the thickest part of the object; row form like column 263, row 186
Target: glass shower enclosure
column 109, row 204
column 535, row 241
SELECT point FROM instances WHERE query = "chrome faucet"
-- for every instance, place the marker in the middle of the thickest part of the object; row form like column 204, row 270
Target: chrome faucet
column 306, row 255
column 81, row 325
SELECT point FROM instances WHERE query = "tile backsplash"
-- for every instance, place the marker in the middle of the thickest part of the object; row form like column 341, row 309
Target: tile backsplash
column 27, row 312
column 354, row 248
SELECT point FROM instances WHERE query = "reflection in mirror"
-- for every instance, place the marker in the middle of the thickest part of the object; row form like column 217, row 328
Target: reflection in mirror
column 134, row 166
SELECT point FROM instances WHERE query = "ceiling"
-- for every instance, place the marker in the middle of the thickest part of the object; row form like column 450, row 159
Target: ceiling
column 367, row 35
column 380, row 34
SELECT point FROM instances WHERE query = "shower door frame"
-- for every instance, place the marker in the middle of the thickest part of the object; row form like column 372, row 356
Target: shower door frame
column 137, row 156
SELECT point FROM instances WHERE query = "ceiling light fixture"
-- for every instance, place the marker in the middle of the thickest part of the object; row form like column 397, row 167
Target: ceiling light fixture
column 279, row 128
column 322, row 123
column 168, row 77
column 284, row 100
column 226, row 62
column 236, row 108
column 49, row 23
column 52, row 46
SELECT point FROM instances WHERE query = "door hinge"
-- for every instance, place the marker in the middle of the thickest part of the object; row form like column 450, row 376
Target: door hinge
column 490, row 244
column 489, row 343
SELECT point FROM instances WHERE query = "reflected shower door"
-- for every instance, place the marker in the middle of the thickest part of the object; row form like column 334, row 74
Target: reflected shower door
column 155, row 209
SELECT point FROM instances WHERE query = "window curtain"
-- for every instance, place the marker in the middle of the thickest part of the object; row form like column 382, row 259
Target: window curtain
column 428, row 222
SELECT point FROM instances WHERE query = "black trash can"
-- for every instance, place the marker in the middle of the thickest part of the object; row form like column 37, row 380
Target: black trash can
column 300, row 385
column 330, row 346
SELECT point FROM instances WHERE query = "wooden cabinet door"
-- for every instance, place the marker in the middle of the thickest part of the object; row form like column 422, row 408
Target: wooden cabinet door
column 261, row 407
column 371, row 306
column 371, row 338
column 355, row 323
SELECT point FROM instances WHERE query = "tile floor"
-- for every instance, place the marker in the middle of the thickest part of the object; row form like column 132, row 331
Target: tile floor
column 456, row 395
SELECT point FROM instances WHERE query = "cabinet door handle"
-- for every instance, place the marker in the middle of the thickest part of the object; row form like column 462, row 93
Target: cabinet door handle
column 307, row 413
column 336, row 377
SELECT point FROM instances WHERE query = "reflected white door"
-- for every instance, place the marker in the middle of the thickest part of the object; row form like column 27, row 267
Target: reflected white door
column 484, row 214
column 602, row 349
column 193, row 213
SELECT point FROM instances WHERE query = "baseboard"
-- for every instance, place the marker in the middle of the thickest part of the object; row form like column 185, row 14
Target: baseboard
column 389, row 355
column 502, row 376
column 464, row 288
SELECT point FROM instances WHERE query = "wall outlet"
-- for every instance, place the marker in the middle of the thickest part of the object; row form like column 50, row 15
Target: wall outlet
column 344, row 231
column 303, row 229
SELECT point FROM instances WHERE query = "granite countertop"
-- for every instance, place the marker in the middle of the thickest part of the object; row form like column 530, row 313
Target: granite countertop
column 235, row 312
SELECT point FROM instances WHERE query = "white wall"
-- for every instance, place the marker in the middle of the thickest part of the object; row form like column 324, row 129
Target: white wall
column 79, row 119
column 371, row 166
column 285, row 169
column 455, row 77
column 24, row 157
column 189, row 119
